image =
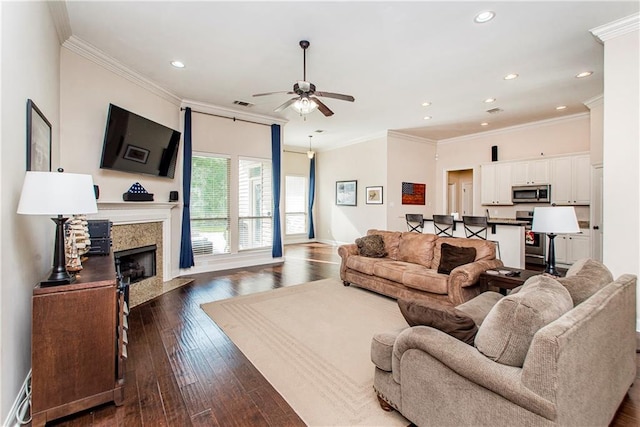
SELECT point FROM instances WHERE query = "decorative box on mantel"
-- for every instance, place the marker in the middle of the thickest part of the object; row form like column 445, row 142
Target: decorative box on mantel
column 122, row 213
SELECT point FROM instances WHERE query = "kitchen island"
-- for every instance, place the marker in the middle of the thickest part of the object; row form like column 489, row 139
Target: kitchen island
column 509, row 233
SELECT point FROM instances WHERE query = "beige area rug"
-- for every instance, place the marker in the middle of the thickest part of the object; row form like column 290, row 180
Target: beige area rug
column 312, row 343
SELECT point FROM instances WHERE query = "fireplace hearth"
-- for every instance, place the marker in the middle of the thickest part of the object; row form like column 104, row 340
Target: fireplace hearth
column 136, row 264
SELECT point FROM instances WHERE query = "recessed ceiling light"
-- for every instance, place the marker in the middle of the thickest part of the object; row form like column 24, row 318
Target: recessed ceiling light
column 426, row 104
column 484, row 124
column 561, row 107
column 584, row 74
column 490, row 100
column 427, row 117
column 177, row 64
column 483, row 17
column 510, row 76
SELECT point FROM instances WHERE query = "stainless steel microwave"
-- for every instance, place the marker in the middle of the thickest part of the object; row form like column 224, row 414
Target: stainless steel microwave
column 531, row 194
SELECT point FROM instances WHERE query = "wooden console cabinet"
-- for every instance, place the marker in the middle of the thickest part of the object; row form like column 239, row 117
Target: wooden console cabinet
column 78, row 343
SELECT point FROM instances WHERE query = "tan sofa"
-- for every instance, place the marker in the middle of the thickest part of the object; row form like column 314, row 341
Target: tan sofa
column 573, row 371
column 410, row 269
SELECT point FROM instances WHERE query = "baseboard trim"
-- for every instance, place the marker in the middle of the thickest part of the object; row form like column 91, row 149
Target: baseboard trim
column 12, row 416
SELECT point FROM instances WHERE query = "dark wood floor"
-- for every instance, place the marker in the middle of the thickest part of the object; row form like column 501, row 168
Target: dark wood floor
column 183, row 370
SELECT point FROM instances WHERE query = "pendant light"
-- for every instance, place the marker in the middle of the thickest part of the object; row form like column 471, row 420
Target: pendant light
column 310, row 153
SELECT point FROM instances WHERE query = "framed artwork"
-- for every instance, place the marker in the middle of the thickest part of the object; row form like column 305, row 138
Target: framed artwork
column 346, row 193
column 38, row 139
column 374, row 195
column 136, row 154
column 413, row 194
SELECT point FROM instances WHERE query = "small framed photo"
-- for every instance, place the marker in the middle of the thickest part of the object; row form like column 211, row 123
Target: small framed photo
column 346, row 193
column 38, row 139
column 374, row 195
column 136, row 154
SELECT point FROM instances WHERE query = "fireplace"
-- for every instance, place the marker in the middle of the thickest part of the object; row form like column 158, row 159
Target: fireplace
column 136, row 264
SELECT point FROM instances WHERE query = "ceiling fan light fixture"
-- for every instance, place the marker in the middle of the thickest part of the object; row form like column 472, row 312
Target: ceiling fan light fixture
column 304, row 105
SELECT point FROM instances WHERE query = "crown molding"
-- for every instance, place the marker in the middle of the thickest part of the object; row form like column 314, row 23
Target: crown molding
column 411, row 138
column 95, row 55
column 58, row 10
column 540, row 123
column 617, row 28
column 596, row 101
column 231, row 113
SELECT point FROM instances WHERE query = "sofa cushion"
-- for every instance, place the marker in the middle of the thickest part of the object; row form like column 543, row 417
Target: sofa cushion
column 417, row 248
column 362, row 264
column 391, row 270
column 454, row 256
column 391, row 241
column 447, row 319
column 584, row 278
column 508, row 329
column 485, row 250
column 371, row 246
column 477, row 308
column 425, row 279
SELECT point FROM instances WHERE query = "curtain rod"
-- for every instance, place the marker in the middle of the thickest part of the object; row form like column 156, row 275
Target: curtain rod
column 225, row 117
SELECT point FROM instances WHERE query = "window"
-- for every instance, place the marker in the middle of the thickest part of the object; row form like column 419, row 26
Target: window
column 255, row 204
column 209, row 204
column 295, row 205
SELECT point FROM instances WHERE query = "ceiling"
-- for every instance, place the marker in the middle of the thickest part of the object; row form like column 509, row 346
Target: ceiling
column 391, row 56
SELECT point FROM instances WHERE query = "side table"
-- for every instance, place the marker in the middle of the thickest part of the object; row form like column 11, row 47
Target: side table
column 504, row 282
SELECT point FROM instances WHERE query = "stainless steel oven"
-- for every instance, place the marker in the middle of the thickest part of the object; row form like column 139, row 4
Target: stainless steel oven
column 535, row 244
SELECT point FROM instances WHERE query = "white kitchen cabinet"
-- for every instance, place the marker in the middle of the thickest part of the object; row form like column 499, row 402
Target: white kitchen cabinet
column 496, row 184
column 572, row 247
column 571, row 180
column 530, row 172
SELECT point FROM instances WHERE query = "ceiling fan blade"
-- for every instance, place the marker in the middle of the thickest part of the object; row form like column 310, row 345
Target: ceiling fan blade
column 286, row 104
column 273, row 93
column 336, row 96
column 323, row 108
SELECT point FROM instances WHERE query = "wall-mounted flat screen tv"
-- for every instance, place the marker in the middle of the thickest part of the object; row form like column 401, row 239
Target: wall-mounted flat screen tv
column 135, row 144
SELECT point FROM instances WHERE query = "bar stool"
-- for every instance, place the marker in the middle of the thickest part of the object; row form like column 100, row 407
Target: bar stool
column 443, row 225
column 415, row 222
column 476, row 226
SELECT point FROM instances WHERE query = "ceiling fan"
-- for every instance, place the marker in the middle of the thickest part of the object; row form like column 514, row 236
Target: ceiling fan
column 306, row 100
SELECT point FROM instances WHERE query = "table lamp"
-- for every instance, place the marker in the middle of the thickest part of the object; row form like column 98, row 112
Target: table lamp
column 553, row 221
column 59, row 194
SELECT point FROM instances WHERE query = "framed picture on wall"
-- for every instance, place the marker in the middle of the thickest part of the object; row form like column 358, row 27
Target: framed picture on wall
column 38, row 139
column 374, row 195
column 346, row 193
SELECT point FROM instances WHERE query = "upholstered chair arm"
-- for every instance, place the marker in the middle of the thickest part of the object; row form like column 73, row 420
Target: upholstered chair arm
column 437, row 348
column 462, row 284
column 345, row 251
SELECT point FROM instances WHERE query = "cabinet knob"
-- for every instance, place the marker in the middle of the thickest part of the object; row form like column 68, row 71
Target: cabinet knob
column 595, row 227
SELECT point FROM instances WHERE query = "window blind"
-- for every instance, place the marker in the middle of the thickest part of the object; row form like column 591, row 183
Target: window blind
column 295, row 204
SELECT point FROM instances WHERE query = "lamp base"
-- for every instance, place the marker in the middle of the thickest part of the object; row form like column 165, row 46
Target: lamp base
column 57, row 282
column 551, row 258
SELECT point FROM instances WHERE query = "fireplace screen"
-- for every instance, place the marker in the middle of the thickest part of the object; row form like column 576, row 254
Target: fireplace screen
column 136, row 264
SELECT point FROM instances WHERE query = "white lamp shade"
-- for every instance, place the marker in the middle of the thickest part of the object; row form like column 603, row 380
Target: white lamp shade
column 57, row 193
column 557, row 220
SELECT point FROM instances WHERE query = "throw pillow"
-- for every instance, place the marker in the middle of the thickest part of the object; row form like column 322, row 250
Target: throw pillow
column 508, row 330
column 585, row 278
column 454, row 256
column 447, row 319
column 371, row 246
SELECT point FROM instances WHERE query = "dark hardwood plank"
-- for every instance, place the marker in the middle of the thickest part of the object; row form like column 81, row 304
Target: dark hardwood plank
column 183, row 370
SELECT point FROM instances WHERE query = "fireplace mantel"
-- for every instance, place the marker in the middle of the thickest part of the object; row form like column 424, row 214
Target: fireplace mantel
column 121, row 213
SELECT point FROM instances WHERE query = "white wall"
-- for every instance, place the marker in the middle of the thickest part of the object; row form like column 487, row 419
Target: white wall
column 30, row 57
column 365, row 162
column 550, row 137
column 621, row 213
column 409, row 159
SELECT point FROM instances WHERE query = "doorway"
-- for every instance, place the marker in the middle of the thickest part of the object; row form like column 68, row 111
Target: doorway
column 460, row 192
